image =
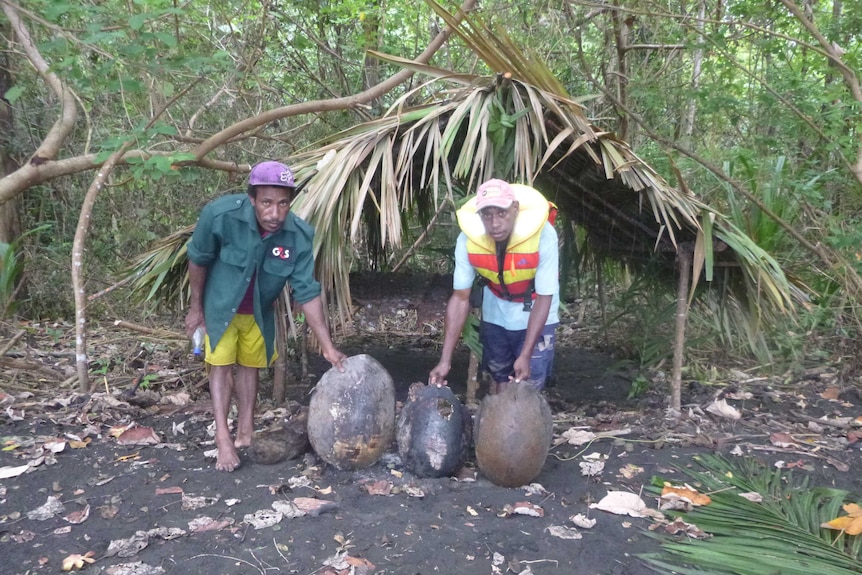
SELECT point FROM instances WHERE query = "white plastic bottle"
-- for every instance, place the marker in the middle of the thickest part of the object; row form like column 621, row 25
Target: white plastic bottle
column 198, row 342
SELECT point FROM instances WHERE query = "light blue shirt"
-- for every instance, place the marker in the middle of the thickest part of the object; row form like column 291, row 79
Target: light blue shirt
column 510, row 314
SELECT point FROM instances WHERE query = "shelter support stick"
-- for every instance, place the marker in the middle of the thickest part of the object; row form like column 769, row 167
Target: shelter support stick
column 472, row 379
column 684, row 263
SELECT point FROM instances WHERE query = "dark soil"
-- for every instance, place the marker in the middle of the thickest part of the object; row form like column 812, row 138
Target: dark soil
column 135, row 493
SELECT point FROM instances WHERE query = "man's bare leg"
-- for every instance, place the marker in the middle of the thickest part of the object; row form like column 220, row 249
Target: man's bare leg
column 221, row 388
column 246, row 399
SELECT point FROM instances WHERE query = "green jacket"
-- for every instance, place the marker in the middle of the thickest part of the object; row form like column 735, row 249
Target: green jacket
column 227, row 242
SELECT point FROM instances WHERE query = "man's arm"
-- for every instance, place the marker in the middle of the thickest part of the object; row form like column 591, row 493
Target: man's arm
column 313, row 310
column 535, row 325
column 547, row 284
column 197, row 281
column 457, row 310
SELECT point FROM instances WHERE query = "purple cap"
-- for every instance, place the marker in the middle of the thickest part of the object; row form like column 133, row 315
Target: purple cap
column 271, row 174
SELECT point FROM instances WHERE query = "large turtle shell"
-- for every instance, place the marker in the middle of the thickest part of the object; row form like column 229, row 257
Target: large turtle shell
column 351, row 415
column 433, row 432
column 513, row 432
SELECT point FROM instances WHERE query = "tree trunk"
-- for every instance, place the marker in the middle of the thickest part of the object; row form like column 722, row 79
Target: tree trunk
column 10, row 224
column 622, row 26
column 688, row 120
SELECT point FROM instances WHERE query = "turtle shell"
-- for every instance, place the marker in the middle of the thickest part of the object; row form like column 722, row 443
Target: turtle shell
column 351, row 415
column 513, row 432
column 433, row 432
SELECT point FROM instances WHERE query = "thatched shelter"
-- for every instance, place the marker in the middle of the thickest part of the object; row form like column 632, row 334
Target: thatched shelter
column 442, row 138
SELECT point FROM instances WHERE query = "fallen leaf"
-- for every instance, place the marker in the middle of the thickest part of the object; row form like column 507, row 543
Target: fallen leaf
column 263, row 518
column 117, row 431
column 673, row 502
column 54, row 445
column 191, row 502
column 413, row 491
column 202, row 524
column 23, row 537
column 359, row 562
column 576, row 437
column 76, row 561
column 168, row 490
column 134, row 568
column 591, row 468
column 686, row 492
column 313, row 506
column 472, row 511
column 523, row 508
column 564, row 532
column 128, row 547
column 830, row 393
column 625, row 503
column 782, row 439
column 166, row 533
column 381, row 487
column 850, row 523
column 582, row 521
column 47, row 510
column 77, row 517
column 630, row 470
column 10, row 472
column 679, row 526
column 752, row 496
column 535, row 489
column 79, row 444
column 180, row 399
column 108, row 511
column 129, row 457
column 722, row 409
column 140, row 435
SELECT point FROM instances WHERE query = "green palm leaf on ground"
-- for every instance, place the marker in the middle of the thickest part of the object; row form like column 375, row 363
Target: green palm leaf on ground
column 780, row 535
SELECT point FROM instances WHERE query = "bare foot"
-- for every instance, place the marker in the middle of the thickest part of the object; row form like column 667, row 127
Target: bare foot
column 242, row 441
column 227, row 459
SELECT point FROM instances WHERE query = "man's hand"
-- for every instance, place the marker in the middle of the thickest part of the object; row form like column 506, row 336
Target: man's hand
column 194, row 320
column 522, row 369
column 335, row 357
column 438, row 375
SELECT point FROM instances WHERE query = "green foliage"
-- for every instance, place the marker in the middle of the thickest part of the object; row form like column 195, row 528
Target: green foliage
column 11, row 270
column 640, row 385
column 781, row 534
column 767, row 106
column 470, row 335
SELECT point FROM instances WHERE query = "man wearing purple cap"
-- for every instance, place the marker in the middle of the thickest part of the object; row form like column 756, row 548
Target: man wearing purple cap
column 506, row 238
column 244, row 249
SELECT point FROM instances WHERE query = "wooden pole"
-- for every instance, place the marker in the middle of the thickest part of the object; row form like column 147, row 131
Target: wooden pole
column 684, row 264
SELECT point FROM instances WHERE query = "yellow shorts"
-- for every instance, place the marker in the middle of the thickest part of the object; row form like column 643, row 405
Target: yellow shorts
column 241, row 344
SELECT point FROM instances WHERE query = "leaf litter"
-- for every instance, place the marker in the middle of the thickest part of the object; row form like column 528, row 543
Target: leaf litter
column 87, row 419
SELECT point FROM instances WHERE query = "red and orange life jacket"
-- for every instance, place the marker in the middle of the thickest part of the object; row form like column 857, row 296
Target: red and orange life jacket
column 514, row 282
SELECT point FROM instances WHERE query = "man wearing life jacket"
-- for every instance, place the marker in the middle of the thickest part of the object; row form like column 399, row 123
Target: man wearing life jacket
column 507, row 239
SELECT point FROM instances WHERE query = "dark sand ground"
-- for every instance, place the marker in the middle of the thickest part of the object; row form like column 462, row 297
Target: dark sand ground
column 161, row 508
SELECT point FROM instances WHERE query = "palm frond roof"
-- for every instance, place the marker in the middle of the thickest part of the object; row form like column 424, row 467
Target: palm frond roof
column 415, row 157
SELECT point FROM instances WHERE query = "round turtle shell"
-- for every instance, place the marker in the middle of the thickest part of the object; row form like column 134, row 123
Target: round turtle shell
column 351, row 415
column 513, row 432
